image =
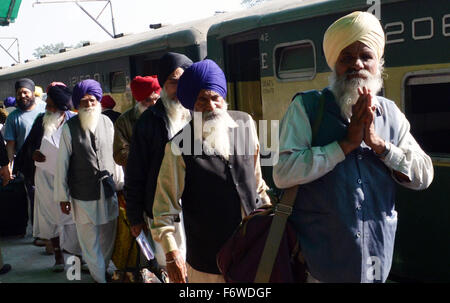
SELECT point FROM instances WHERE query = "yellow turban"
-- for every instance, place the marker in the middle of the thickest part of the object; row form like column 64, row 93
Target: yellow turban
column 38, row 91
column 357, row 26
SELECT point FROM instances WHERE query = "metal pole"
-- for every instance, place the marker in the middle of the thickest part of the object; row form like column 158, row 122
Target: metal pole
column 87, row 13
column 112, row 19
column 18, row 50
column 9, row 54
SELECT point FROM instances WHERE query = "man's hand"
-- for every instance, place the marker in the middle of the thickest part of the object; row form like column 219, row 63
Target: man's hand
column 5, row 174
column 355, row 131
column 65, row 207
column 38, row 156
column 370, row 136
column 176, row 268
column 136, row 229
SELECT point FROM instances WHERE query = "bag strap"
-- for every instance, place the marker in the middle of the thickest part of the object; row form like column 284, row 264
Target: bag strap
column 281, row 213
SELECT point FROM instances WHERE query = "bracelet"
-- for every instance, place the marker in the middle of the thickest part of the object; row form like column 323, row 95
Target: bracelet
column 170, row 261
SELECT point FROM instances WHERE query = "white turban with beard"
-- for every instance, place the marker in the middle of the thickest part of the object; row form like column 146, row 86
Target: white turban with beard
column 89, row 116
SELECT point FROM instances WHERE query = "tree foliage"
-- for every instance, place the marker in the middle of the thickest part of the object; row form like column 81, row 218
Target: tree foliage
column 47, row 49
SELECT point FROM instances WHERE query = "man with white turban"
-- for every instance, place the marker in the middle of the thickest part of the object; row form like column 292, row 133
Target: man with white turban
column 87, row 178
column 347, row 148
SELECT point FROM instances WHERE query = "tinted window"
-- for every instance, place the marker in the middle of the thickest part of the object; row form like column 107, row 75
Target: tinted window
column 295, row 61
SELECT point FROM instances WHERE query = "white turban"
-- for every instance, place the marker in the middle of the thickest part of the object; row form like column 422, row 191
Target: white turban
column 357, row 26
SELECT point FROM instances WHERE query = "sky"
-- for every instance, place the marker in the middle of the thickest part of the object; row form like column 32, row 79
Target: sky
column 66, row 22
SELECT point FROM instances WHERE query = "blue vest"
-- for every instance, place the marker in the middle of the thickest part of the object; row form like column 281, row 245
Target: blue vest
column 346, row 220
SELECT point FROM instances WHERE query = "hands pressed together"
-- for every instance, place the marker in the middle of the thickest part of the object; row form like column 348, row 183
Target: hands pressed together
column 361, row 126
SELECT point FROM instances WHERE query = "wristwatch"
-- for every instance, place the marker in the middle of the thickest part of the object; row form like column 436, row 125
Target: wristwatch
column 387, row 148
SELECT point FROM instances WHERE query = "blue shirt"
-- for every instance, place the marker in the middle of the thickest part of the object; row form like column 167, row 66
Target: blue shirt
column 344, row 213
column 19, row 123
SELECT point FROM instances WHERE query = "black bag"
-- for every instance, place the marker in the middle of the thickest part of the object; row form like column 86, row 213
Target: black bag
column 13, row 208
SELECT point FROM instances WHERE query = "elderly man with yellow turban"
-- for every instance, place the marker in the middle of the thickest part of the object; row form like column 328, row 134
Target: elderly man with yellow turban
column 346, row 149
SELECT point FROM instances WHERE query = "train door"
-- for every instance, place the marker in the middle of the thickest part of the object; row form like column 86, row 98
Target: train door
column 243, row 74
column 424, row 216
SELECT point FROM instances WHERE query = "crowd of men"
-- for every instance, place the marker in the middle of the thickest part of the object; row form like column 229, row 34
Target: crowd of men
column 189, row 200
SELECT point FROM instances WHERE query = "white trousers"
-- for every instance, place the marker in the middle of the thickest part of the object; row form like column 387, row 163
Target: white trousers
column 97, row 245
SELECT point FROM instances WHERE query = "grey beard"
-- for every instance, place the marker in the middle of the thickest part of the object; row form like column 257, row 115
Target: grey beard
column 51, row 122
column 346, row 91
column 177, row 114
column 89, row 117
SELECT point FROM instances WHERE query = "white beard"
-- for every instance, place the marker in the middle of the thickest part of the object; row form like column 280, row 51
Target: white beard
column 216, row 130
column 89, row 117
column 346, row 90
column 177, row 114
column 51, row 122
column 140, row 108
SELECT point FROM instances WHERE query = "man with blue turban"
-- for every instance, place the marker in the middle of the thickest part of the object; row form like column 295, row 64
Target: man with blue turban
column 213, row 166
column 37, row 163
column 87, row 178
column 347, row 148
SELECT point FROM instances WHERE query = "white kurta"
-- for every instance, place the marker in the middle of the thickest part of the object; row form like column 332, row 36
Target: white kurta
column 95, row 220
column 49, row 221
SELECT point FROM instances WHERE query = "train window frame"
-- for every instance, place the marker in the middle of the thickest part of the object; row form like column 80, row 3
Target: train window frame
column 295, row 76
column 420, row 78
column 116, row 89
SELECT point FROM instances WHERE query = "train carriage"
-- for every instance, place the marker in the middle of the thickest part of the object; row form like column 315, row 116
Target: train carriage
column 275, row 50
column 113, row 63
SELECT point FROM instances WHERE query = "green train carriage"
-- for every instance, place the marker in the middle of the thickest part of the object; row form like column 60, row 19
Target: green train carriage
column 113, row 63
column 275, row 50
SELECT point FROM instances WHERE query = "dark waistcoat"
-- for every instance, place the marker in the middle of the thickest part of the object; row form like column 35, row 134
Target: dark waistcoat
column 215, row 189
column 89, row 161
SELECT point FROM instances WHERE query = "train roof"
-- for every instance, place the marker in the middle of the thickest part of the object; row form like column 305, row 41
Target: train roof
column 283, row 11
column 168, row 37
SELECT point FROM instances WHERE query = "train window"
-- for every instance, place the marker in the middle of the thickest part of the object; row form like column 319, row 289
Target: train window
column 118, row 82
column 427, row 107
column 295, row 60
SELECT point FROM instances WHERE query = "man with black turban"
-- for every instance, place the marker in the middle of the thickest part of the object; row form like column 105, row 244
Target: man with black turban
column 213, row 166
column 87, row 178
column 37, row 161
column 152, row 131
column 19, row 123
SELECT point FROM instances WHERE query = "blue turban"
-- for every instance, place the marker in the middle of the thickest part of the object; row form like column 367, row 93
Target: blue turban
column 84, row 87
column 205, row 74
column 9, row 101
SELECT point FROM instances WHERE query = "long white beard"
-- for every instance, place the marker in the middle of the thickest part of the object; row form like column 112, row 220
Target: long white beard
column 51, row 122
column 89, row 117
column 177, row 114
column 346, row 90
column 216, row 130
